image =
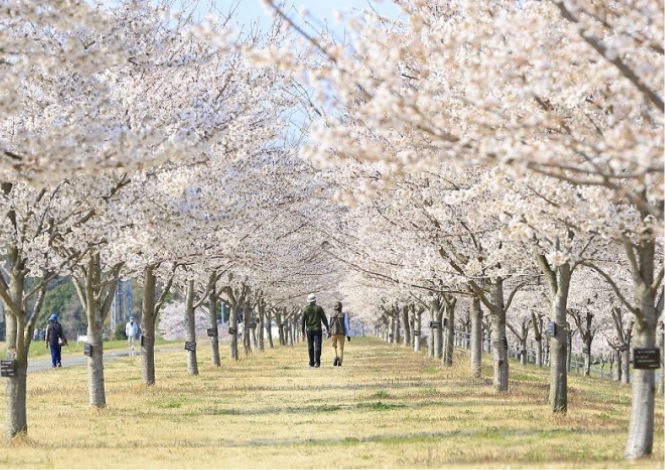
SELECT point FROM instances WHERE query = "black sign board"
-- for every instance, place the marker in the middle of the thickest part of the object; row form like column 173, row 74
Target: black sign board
column 190, row 346
column 252, row 325
column 550, row 329
column 435, row 324
column 416, row 333
column 8, row 368
column 212, row 332
column 233, row 331
column 87, row 349
column 646, row 358
column 142, row 340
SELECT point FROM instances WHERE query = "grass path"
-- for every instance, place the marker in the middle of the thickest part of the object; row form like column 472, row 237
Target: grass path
column 387, row 407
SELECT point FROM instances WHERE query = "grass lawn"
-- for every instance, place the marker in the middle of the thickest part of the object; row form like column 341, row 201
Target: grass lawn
column 387, row 407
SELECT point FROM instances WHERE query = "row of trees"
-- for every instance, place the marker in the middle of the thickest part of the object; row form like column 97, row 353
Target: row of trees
column 141, row 144
column 479, row 159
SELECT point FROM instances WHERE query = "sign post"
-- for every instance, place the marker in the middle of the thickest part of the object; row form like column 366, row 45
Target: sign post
column 551, row 329
column 8, row 368
column 646, row 358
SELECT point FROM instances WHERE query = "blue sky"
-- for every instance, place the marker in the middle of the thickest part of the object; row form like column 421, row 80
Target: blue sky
column 321, row 10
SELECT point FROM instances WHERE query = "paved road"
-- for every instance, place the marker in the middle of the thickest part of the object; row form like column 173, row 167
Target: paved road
column 71, row 361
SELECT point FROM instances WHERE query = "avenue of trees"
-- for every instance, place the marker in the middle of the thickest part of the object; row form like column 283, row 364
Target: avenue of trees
column 444, row 166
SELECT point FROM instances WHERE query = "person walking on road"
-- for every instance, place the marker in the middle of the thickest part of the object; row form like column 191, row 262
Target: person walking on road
column 312, row 316
column 55, row 339
column 339, row 328
column 132, row 332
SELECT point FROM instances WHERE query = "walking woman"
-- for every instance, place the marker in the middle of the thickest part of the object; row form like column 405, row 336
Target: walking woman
column 339, row 328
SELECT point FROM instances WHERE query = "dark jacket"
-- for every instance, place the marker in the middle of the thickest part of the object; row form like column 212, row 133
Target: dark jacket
column 312, row 316
column 54, row 331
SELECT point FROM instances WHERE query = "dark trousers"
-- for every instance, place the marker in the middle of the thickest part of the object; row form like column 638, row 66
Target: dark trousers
column 55, row 354
column 314, row 346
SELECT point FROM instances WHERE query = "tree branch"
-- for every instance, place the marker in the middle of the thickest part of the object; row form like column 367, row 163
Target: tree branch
column 626, row 71
column 612, row 284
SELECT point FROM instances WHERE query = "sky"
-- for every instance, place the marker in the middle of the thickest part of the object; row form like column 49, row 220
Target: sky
column 322, row 11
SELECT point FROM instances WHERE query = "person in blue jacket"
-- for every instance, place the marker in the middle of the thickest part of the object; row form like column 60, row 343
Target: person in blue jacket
column 55, row 339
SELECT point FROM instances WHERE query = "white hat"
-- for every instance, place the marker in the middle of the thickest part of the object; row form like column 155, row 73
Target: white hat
column 311, row 298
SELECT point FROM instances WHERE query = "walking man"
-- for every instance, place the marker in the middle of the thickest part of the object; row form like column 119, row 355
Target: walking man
column 312, row 316
column 132, row 332
column 55, row 339
column 339, row 328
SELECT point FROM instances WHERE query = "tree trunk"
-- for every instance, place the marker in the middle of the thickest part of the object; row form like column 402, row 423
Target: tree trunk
column 16, row 419
column 96, row 391
column 438, row 336
column 476, row 337
column 280, row 331
column 16, row 416
column 587, row 358
column 569, row 349
column 661, row 382
column 640, row 431
column 269, row 332
column 417, row 326
column 450, row 333
column 233, row 331
column 619, row 365
column 430, row 337
column 190, row 327
column 406, row 325
column 558, row 343
column 246, row 330
column 396, row 314
column 148, row 327
column 523, row 352
column 212, row 324
column 625, row 376
column 261, row 326
column 537, row 323
column 499, row 341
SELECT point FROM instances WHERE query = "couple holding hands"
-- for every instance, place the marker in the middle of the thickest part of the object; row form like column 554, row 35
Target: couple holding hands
column 338, row 329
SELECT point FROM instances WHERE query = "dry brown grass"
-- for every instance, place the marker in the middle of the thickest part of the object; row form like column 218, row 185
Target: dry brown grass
column 387, row 407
